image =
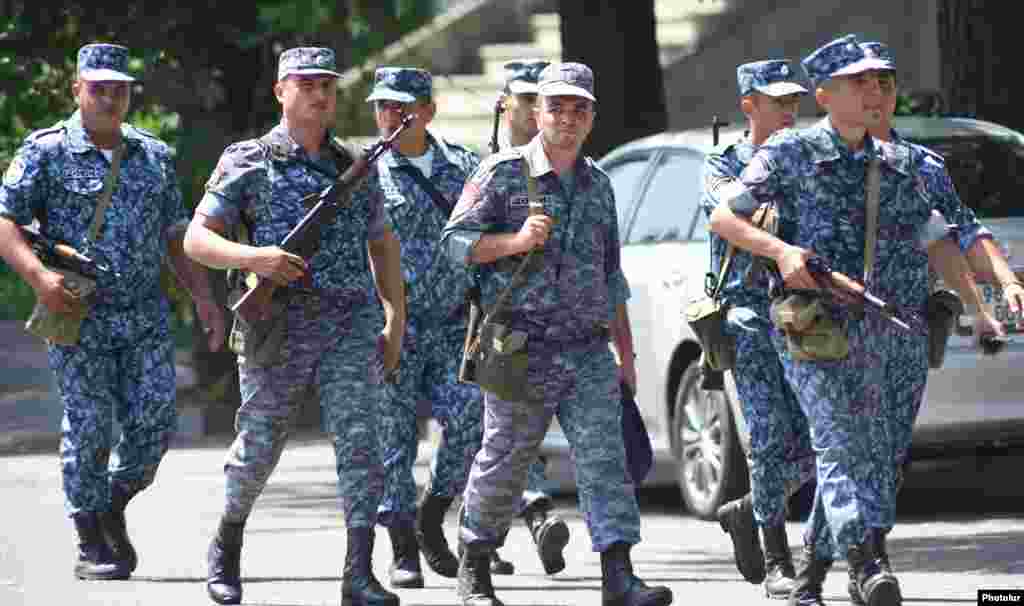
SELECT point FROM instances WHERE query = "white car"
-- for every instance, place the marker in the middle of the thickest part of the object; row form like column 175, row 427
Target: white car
column 699, row 436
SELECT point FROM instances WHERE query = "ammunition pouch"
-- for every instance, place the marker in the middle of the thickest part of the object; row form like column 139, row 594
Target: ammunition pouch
column 706, row 316
column 499, row 361
column 811, row 332
column 260, row 342
column 943, row 308
column 63, row 328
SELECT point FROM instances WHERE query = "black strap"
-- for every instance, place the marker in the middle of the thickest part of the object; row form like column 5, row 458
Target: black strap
column 440, row 201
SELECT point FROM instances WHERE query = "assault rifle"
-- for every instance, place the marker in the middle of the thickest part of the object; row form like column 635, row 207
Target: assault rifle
column 849, row 289
column 304, row 239
column 64, row 256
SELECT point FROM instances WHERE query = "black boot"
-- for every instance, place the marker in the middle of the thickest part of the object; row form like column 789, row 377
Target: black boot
column 808, row 581
column 737, row 520
column 620, row 587
column 550, row 535
column 500, row 566
column 358, row 585
column 115, row 528
column 95, row 562
column 475, row 588
column 405, row 566
column 430, row 535
column 224, row 564
column 778, row 563
column 869, row 568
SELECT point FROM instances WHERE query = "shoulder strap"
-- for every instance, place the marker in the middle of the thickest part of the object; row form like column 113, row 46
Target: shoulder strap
column 535, row 208
column 873, row 191
column 730, row 251
column 440, row 201
column 106, row 193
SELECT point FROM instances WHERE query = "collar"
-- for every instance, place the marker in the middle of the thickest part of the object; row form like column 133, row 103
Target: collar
column 827, row 146
column 78, row 140
column 284, row 147
column 896, row 153
column 744, row 150
column 539, row 163
column 443, row 155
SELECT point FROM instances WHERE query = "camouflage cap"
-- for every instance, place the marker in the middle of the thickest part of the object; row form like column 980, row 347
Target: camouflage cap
column 841, row 57
column 521, row 76
column 103, row 62
column 574, row 79
column 307, row 60
column 774, row 78
column 877, row 50
column 404, row 84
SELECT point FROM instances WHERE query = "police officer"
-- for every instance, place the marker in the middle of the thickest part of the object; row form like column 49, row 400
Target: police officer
column 565, row 309
column 332, row 342
column 549, row 532
column 418, row 182
column 123, row 363
column 781, row 459
column 817, row 178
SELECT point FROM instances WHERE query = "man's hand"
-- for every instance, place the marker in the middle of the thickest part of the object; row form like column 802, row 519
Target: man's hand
column 276, row 265
column 986, row 324
column 792, row 263
column 1013, row 293
column 50, row 291
column 534, row 232
column 211, row 318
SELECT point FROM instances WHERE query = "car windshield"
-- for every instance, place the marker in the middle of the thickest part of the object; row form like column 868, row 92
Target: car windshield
column 985, row 171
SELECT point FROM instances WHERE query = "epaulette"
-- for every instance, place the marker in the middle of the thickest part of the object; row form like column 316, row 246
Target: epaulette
column 57, row 128
column 249, row 148
column 345, row 148
column 503, row 155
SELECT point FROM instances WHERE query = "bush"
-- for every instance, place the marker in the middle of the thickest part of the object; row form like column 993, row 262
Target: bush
column 16, row 297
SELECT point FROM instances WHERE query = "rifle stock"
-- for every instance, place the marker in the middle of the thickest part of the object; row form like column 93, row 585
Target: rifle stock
column 63, row 255
column 303, row 239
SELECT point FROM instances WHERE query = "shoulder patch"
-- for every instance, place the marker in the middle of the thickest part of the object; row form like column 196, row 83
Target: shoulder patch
column 14, row 172
column 56, row 129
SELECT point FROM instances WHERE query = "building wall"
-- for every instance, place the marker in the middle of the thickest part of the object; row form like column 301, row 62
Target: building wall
column 703, row 85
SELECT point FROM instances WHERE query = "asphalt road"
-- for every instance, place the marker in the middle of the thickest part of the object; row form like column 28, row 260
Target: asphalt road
column 961, row 529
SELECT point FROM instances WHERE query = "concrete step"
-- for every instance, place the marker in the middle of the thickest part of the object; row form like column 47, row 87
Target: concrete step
column 495, row 56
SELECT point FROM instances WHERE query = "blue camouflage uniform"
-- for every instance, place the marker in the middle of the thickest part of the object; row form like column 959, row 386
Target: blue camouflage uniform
column 818, row 185
column 435, row 330
column 331, row 348
column 781, row 458
column 123, row 364
column 565, row 308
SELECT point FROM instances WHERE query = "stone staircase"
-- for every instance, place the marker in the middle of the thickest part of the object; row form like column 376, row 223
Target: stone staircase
column 466, row 101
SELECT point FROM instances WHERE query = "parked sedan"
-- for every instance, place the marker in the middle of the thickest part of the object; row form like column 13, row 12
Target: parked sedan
column 971, row 401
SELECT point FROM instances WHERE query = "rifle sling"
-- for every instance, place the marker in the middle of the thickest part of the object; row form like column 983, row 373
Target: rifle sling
column 873, row 192
column 109, row 182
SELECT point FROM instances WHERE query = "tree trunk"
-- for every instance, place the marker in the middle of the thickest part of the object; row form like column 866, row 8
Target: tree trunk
column 977, row 45
column 617, row 40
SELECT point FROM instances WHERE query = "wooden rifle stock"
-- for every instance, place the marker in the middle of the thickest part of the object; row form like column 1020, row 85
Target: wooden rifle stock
column 303, row 239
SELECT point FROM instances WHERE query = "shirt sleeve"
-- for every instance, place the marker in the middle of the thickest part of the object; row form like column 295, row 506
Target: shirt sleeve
column 717, row 174
column 618, row 286
column 234, row 183
column 760, row 182
column 474, row 214
column 937, row 186
column 23, row 193
column 379, row 220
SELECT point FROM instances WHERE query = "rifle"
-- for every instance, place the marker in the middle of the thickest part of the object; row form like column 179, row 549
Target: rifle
column 304, row 239
column 467, row 369
column 499, row 107
column 848, row 288
column 64, row 256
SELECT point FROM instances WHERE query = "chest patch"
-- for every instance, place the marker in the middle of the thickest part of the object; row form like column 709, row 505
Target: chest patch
column 523, row 200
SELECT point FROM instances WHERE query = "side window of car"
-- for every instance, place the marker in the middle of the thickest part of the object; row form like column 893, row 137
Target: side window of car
column 666, row 210
column 625, row 176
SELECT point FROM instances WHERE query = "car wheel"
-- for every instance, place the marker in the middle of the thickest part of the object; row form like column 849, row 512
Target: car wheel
column 710, row 465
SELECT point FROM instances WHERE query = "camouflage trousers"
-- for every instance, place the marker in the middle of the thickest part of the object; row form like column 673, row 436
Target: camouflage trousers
column 328, row 353
column 781, row 459
column 906, row 376
column 134, row 383
column 429, row 372
column 536, row 479
column 578, row 384
column 845, row 402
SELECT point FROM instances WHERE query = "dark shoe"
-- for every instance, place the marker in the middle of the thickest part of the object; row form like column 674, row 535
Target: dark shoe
column 358, row 585
column 500, row 566
column 115, row 529
column 405, row 570
column 852, row 586
column 737, row 520
column 95, row 562
column 778, row 563
column 224, row 564
column 620, row 587
column 869, row 569
column 430, row 535
column 808, row 581
column 474, row 586
column 550, row 535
